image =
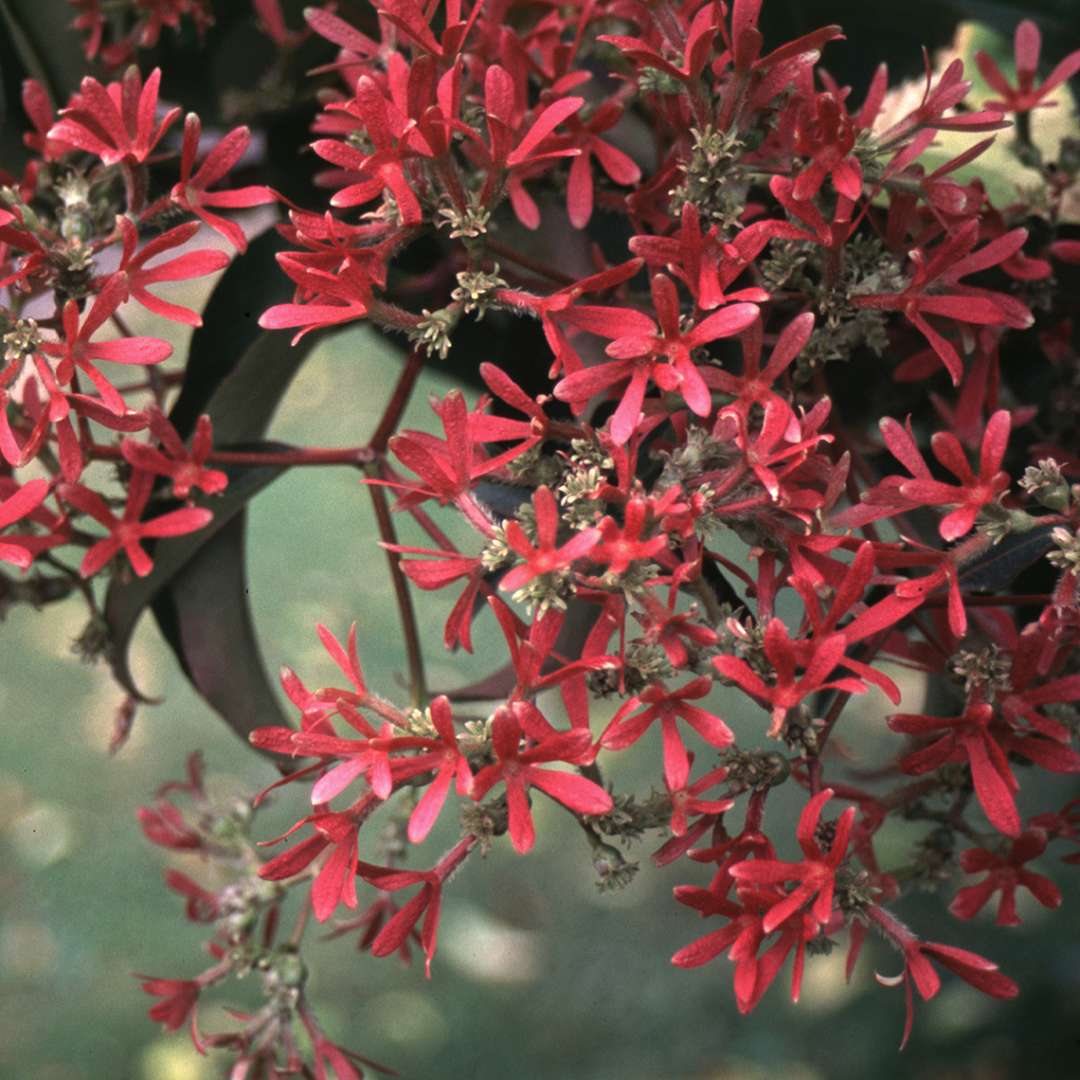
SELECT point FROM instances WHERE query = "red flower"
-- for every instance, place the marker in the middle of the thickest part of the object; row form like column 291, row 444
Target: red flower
column 825, row 134
column 201, row 906
column 535, row 664
column 699, row 39
column 745, row 934
column 504, row 118
column 561, row 304
column 966, row 738
column 115, row 123
column 546, row 557
column 447, row 468
column 1022, row 700
column 972, row 968
column 14, row 508
column 898, row 494
column 450, row 765
column 935, row 289
column 164, row 825
column 667, row 628
column 819, row 657
column 1025, row 95
column 136, row 275
column 706, row 263
column 973, row 492
column 384, row 168
column 621, row 168
column 394, row 936
column 815, row 875
column 427, row 902
column 335, row 883
column 76, row 350
column 621, row 545
column 754, row 386
column 686, row 799
column 178, row 1000
column 646, row 352
column 368, row 756
column 1005, row 874
column 667, row 706
column 191, row 194
column 38, row 107
column 125, row 533
column 520, row 769
column 435, row 569
column 185, row 467
column 847, row 592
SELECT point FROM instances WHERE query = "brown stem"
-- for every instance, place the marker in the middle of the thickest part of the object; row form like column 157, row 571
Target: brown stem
column 355, row 456
column 982, row 600
column 391, row 416
column 406, row 611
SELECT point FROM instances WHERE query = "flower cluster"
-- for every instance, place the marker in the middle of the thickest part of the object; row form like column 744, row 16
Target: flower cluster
column 85, row 242
column 788, row 441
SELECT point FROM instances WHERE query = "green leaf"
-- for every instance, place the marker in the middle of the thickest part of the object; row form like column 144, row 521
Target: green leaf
column 49, row 50
column 205, row 617
column 1004, row 562
column 230, row 327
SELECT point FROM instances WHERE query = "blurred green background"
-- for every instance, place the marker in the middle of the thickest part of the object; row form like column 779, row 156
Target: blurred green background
column 538, row 974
